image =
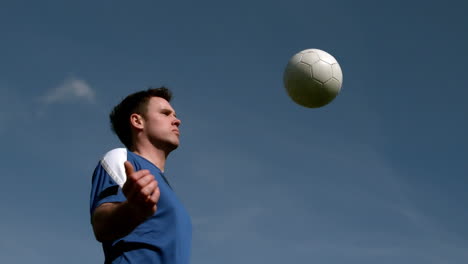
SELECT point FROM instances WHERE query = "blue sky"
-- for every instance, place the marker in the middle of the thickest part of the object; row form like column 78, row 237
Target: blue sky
column 377, row 176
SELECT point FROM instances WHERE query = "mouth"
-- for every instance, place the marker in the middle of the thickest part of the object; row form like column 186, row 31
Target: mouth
column 176, row 131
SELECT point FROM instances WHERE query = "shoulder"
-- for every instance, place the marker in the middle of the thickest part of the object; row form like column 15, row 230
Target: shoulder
column 113, row 163
column 117, row 153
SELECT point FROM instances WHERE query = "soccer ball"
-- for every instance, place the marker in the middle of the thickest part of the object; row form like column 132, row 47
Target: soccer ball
column 313, row 78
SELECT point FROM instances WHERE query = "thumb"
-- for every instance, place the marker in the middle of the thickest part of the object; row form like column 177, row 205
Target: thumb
column 128, row 168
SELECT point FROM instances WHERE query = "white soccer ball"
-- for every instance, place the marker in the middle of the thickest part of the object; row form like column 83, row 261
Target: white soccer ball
column 313, row 78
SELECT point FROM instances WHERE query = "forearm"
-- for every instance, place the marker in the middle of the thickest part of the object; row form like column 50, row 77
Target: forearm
column 112, row 221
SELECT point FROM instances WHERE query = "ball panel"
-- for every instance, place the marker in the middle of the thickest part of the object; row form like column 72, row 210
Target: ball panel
column 295, row 59
column 325, row 56
column 332, row 87
column 298, row 70
column 307, row 51
column 307, row 93
column 337, row 73
column 310, row 58
column 321, row 71
column 294, row 73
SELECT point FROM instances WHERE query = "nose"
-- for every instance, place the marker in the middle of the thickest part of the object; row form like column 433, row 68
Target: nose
column 176, row 122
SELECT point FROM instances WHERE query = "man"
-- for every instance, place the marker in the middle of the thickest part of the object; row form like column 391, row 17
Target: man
column 135, row 214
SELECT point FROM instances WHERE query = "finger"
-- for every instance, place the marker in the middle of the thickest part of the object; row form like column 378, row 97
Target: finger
column 145, row 180
column 129, row 190
column 128, row 168
column 134, row 189
column 131, row 173
column 147, row 190
column 128, row 186
column 154, row 198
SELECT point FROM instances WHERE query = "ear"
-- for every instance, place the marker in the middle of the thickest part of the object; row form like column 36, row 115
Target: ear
column 137, row 121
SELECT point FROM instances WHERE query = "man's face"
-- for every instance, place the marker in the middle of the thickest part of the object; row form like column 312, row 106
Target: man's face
column 161, row 125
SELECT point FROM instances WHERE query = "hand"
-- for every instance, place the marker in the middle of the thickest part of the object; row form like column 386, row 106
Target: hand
column 141, row 190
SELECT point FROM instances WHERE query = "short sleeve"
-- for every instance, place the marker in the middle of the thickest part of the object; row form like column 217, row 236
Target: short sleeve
column 108, row 178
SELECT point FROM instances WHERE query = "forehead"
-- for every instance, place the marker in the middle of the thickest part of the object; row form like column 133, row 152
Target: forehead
column 158, row 103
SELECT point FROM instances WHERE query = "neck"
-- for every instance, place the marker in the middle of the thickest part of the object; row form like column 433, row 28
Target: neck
column 154, row 155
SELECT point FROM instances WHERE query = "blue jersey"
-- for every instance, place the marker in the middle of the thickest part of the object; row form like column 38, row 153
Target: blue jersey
column 164, row 238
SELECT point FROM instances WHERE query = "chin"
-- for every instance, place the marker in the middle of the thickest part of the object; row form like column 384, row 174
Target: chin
column 170, row 146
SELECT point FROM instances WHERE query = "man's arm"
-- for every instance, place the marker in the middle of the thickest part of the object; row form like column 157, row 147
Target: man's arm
column 112, row 221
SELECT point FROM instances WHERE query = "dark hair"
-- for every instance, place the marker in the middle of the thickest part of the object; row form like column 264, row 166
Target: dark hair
column 133, row 103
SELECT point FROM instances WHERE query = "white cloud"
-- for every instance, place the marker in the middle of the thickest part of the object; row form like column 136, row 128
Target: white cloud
column 70, row 89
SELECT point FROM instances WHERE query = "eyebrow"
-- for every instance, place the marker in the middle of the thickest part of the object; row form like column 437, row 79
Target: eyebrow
column 167, row 110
